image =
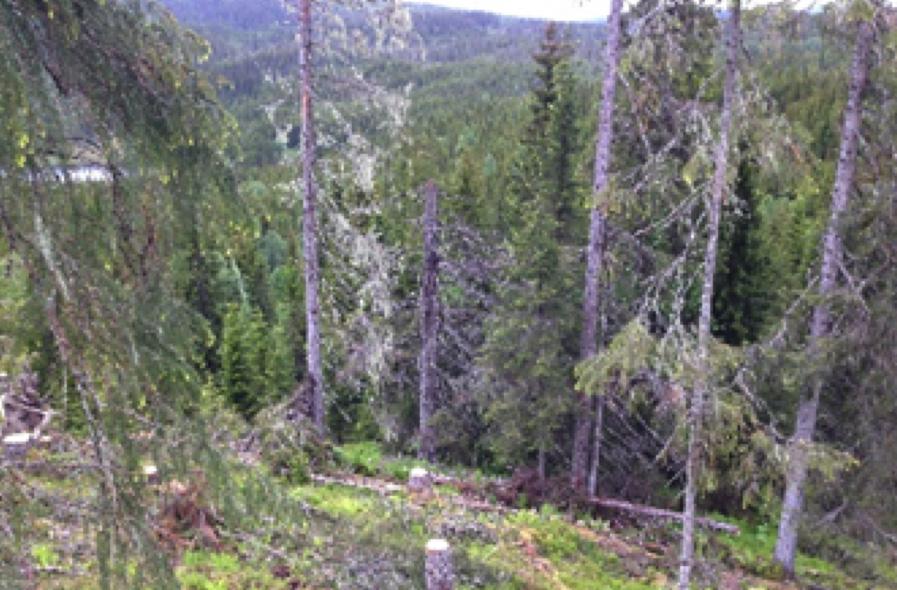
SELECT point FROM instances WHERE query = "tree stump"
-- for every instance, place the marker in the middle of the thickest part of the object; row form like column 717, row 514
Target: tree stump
column 420, row 481
column 439, row 570
column 151, row 474
column 15, row 446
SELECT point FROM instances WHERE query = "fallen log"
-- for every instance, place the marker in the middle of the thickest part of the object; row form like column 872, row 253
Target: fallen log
column 653, row 512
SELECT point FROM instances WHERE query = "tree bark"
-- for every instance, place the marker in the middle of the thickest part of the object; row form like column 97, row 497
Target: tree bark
column 315, row 373
column 718, row 189
column 429, row 309
column 595, row 251
column 596, row 449
column 798, row 451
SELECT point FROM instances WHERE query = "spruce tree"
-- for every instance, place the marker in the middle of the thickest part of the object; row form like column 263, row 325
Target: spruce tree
column 81, row 81
column 529, row 349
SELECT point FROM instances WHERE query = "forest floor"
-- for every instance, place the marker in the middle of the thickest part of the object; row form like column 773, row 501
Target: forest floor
column 364, row 529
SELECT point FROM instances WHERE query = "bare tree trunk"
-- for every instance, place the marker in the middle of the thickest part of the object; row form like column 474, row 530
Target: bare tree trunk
column 310, row 229
column 718, row 189
column 596, row 449
column 798, row 451
column 429, row 309
column 595, row 251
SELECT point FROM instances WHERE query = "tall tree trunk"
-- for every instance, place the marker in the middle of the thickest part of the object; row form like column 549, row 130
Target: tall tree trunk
column 718, row 189
column 595, row 252
column 310, row 229
column 596, row 449
column 798, row 451
column 429, row 294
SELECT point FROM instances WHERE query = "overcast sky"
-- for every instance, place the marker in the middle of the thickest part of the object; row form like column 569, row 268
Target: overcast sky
column 559, row 10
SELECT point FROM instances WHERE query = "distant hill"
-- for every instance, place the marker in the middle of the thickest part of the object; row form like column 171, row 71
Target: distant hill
column 457, row 35
column 237, row 27
column 244, row 15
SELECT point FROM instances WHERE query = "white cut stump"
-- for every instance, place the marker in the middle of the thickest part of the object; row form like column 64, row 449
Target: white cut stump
column 439, row 571
column 420, row 481
column 16, row 445
column 151, row 474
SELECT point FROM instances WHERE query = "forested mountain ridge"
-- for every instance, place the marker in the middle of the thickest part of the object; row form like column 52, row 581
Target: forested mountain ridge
column 447, row 35
column 524, row 252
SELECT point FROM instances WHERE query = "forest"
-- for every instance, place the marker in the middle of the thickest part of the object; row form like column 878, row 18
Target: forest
column 375, row 294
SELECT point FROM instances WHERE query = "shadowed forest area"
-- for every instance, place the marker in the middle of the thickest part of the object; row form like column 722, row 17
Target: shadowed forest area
column 369, row 294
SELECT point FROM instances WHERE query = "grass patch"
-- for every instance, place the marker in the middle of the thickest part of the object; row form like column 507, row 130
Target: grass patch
column 44, row 555
column 399, row 468
column 564, row 558
column 753, row 549
column 339, row 501
column 368, row 458
column 361, row 457
column 203, row 570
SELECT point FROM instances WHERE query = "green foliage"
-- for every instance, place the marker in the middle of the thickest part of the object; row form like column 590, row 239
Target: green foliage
column 751, row 551
column 532, row 334
column 13, row 300
column 44, row 555
column 111, row 83
column 742, row 296
column 368, row 458
column 351, row 416
column 180, row 283
column 399, row 468
column 339, row 501
column 744, row 462
column 201, row 570
column 578, row 562
column 631, row 350
column 256, row 361
column 292, row 450
column 361, row 457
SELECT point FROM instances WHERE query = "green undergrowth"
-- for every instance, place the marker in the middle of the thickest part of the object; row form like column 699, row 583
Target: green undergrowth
column 311, row 536
column 203, row 570
column 522, row 550
column 367, row 458
column 860, row 567
column 340, row 501
column 576, row 560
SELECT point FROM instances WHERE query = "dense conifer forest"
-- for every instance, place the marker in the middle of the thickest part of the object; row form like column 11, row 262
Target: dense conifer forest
column 369, row 294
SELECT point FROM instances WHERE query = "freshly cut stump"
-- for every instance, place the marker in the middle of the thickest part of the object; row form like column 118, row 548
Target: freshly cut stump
column 440, row 573
column 151, row 473
column 16, row 445
column 420, row 481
